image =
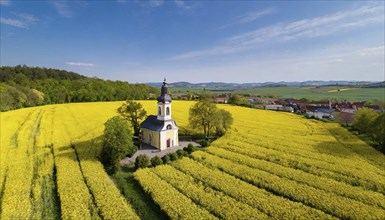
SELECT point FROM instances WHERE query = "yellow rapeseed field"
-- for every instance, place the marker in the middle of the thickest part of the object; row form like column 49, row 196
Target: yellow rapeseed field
column 279, row 166
column 340, row 90
column 270, row 165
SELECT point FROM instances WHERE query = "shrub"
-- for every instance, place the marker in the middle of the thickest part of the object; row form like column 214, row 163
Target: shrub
column 155, row 161
column 142, row 161
column 204, row 143
column 191, row 148
column 166, row 159
column 181, row 153
column 174, row 156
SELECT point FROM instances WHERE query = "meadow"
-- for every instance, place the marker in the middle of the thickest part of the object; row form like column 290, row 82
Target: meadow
column 312, row 93
column 270, row 165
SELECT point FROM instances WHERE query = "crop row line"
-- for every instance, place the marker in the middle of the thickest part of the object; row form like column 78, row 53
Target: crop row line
column 366, row 180
column 335, row 205
column 275, row 207
column 216, row 202
column 325, row 184
column 170, row 200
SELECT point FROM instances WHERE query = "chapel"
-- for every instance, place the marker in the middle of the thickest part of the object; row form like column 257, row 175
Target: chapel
column 161, row 131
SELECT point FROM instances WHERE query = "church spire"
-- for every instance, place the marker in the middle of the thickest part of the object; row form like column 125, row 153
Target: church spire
column 164, row 97
column 164, row 89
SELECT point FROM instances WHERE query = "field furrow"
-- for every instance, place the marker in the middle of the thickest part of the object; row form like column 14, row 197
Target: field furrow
column 216, row 202
column 325, row 184
column 365, row 179
column 103, row 189
column 8, row 140
column 75, row 199
column 275, row 207
column 170, row 200
column 17, row 187
column 306, row 152
column 358, row 146
column 335, row 205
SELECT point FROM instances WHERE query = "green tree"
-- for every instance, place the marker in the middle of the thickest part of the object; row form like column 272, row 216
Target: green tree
column 237, row 100
column 224, row 121
column 202, row 116
column 117, row 143
column 134, row 113
column 205, row 115
column 142, row 161
column 364, row 120
column 205, row 97
column 379, row 130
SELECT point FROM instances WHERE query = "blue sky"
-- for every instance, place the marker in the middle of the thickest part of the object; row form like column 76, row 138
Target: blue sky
column 198, row 41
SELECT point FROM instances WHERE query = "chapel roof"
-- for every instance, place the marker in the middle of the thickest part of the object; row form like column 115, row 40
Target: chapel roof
column 154, row 124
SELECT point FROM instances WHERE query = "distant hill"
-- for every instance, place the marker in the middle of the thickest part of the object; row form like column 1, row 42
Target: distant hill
column 236, row 86
column 374, row 85
column 23, row 86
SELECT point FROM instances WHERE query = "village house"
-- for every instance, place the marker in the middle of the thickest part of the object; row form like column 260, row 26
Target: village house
column 273, row 107
column 161, row 131
column 220, row 100
column 279, row 108
column 319, row 112
column 323, row 104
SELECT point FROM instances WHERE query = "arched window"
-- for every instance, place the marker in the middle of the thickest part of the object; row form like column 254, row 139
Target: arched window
column 169, row 127
column 168, row 111
column 159, row 111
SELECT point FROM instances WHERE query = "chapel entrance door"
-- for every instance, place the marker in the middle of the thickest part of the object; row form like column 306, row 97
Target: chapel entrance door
column 169, row 142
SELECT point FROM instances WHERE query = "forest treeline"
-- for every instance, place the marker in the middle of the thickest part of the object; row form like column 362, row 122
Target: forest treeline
column 23, row 86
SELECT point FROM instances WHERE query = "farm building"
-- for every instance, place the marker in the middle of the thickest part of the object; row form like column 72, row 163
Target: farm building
column 273, row 107
column 279, row 108
column 319, row 112
column 161, row 131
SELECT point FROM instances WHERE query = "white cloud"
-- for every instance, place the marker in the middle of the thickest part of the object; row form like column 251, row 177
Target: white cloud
column 62, row 8
column 155, row 3
column 80, row 64
column 5, row 2
column 22, row 21
column 250, row 17
column 372, row 51
column 332, row 64
column 13, row 22
column 182, row 4
column 307, row 28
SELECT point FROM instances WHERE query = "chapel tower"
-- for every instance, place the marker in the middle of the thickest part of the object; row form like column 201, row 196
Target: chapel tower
column 161, row 131
column 164, row 103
